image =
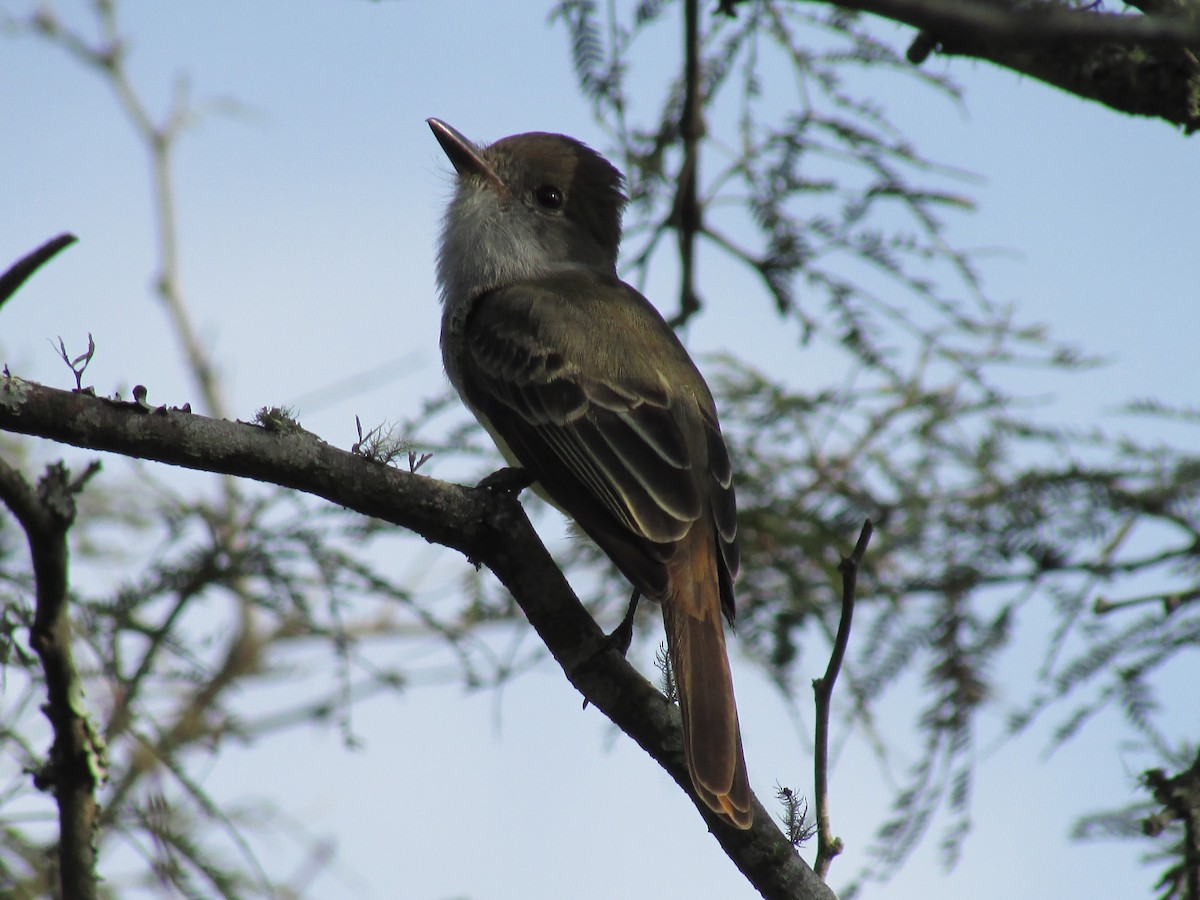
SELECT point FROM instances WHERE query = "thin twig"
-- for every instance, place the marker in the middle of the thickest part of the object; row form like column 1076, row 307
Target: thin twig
column 159, row 140
column 107, row 56
column 1169, row 601
column 687, row 217
column 829, row 846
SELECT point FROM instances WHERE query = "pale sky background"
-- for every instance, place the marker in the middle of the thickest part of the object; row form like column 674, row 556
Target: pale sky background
column 307, row 229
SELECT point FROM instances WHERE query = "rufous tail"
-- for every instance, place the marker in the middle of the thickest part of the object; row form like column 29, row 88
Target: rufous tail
column 712, row 739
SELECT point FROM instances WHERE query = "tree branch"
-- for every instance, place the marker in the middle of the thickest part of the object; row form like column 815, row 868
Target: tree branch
column 489, row 527
column 687, row 214
column 1132, row 63
column 20, row 271
column 1163, row 85
column 1180, row 799
column 1008, row 23
column 1139, row 64
column 76, row 763
column 829, row 846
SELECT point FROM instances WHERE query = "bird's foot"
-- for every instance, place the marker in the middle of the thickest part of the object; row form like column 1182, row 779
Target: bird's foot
column 620, row 637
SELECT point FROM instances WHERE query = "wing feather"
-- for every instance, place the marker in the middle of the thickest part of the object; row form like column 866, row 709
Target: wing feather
column 563, row 370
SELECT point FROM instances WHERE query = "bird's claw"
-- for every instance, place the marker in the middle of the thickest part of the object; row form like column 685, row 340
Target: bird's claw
column 619, row 638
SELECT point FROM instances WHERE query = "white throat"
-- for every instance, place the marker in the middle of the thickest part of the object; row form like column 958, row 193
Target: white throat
column 488, row 240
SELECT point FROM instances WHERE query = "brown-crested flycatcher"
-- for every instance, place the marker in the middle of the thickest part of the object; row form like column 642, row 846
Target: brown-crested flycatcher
column 581, row 382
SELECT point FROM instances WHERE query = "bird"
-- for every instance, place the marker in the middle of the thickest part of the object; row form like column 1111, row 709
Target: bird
column 582, row 383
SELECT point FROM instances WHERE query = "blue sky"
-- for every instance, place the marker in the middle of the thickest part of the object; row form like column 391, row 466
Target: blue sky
column 308, row 220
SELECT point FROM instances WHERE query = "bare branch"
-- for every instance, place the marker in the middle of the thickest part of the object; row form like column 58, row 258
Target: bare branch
column 20, row 271
column 487, row 526
column 687, row 216
column 827, row 845
column 76, row 763
column 1027, row 26
column 1140, row 64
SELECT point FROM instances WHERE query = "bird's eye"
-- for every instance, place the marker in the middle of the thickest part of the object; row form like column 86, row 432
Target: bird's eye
column 548, row 197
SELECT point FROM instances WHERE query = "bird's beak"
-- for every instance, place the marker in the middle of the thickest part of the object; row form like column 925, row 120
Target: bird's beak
column 466, row 157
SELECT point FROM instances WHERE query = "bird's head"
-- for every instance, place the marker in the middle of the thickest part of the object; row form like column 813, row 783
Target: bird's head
column 526, row 206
